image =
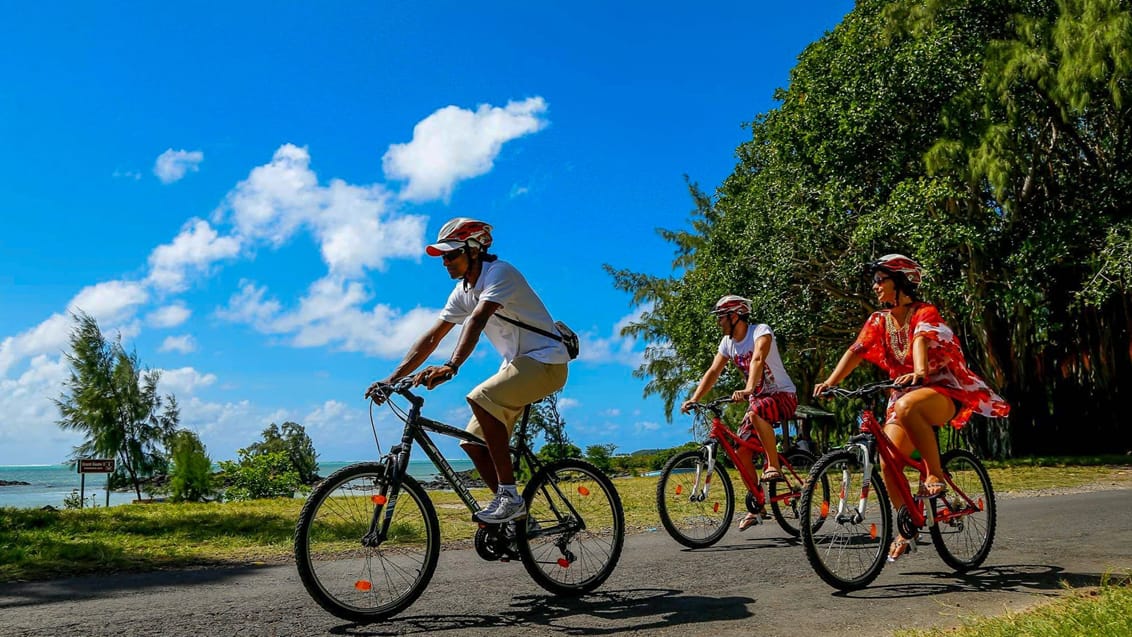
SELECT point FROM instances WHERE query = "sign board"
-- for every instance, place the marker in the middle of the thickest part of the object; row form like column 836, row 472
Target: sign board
column 91, row 465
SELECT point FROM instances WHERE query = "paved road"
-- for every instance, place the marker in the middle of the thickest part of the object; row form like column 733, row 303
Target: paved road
column 755, row 582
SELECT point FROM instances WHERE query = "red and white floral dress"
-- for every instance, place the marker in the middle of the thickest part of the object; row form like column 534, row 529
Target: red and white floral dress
column 889, row 346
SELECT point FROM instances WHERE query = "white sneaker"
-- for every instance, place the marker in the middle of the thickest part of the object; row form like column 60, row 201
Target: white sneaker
column 503, row 508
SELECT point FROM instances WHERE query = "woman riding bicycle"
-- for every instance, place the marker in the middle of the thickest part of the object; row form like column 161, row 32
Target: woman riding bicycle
column 769, row 390
column 910, row 341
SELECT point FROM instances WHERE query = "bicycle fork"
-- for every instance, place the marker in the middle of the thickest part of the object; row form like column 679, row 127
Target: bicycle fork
column 385, row 500
column 845, row 515
column 703, row 472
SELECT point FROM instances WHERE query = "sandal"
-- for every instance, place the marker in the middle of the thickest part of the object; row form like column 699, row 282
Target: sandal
column 900, row 547
column 770, row 474
column 932, row 489
column 749, row 520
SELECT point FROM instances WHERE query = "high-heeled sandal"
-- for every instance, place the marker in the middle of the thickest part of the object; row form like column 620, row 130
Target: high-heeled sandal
column 900, row 547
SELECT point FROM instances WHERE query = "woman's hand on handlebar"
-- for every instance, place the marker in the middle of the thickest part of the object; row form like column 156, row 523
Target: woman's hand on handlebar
column 913, row 379
column 821, row 388
column 687, row 406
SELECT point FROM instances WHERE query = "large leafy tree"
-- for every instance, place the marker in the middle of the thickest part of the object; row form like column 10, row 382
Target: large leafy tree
column 114, row 403
column 292, row 441
column 986, row 138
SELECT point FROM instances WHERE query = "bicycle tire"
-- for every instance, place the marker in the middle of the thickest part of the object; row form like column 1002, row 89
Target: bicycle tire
column 964, row 542
column 788, row 512
column 846, row 551
column 695, row 524
column 355, row 582
column 562, row 553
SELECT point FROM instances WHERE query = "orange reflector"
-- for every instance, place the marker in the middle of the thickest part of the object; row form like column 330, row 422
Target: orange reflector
column 679, row 489
column 873, row 531
column 379, row 499
column 563, row 562
column 363, row 585
column 980, row 504
column 824, row 509
column 715, row 508
column 583, row 491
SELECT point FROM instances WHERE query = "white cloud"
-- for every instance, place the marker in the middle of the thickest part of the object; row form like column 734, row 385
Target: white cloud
column 184, row 380
column 172, row 165
column 565, row 403
column 169, row 315
column 615, row 348
column 332, row 314
column 454, row 144
column 127, row 174
column 354, row 225
column 194, row 249
column 111, row 300
column 183, row 344
column 645, row 426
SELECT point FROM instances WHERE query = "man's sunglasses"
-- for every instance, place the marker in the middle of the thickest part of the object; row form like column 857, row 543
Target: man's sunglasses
column 879, row 278
column 452, row 255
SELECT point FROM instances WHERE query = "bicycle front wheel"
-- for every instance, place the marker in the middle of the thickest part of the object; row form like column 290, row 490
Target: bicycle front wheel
column 850, row 526
column 785, row 495
column 695, row 506
column 349, row 575
column 575, row 527
column 964, row 518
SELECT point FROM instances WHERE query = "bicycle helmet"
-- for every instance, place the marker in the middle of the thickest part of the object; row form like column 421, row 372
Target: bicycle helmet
column 898, row 264
column 732, row 304
column 458, row 233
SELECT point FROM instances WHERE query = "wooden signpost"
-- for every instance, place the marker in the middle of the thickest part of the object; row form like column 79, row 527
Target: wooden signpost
column 94, row 465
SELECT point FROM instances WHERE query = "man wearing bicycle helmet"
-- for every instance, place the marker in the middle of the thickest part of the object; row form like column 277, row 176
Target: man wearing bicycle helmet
column 909, row 340
column 534, row 365
column 769, row 391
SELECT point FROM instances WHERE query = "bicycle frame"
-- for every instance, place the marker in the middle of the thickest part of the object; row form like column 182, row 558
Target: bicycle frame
column 874, row 444
column 722, row 436
column 397, row 462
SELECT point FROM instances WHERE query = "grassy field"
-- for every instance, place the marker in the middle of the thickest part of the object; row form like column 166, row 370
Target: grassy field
column 38, row 544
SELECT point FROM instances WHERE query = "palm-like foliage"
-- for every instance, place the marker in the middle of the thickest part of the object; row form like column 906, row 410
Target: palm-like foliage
column 114, row 402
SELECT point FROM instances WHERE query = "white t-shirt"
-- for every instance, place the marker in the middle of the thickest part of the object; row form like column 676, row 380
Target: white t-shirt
column 501, row 283
column 775, row 379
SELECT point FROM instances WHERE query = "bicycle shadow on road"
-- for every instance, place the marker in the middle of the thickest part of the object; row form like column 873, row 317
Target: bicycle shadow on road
column 1016, row 578
column 601, row 613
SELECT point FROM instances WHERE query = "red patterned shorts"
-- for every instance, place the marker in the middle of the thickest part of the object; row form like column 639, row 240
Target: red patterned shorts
column 771, row 408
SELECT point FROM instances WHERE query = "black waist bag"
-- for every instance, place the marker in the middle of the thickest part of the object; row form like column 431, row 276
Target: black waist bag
column 565, row 335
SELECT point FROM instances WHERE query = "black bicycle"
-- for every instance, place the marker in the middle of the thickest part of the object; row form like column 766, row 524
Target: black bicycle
column 368, row 538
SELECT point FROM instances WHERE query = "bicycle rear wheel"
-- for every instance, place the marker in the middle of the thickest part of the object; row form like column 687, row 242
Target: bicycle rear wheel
column 965, row 517
column 785, row 496
column 846, row 543
column 695, row 507
column 575, row 527
column 345, row 574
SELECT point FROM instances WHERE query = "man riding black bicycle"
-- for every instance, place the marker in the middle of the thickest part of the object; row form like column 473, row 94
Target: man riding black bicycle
column 492, row 298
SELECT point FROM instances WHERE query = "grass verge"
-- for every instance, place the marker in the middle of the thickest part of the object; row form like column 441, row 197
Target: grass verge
column 37, row 544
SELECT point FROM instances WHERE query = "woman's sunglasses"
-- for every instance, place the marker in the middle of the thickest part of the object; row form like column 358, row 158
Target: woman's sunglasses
column 452, row 255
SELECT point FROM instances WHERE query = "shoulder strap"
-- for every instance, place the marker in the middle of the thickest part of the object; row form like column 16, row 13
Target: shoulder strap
column 557, row 337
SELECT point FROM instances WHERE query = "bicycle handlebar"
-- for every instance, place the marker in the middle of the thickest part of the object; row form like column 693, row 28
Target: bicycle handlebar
column 863, row 390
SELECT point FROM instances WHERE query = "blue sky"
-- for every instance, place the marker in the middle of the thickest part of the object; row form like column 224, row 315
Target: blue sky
column 243, row 191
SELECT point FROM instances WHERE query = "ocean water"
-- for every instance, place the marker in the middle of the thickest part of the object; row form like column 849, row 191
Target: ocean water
column 50, row 484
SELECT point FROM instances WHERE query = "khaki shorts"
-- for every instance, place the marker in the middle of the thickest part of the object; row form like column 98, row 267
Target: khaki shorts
column 522, row 382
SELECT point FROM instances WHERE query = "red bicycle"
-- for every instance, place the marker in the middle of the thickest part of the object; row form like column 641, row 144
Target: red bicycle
column 848, row 536
column 695, row 498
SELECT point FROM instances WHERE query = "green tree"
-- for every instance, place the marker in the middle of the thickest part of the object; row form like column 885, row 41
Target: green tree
column 291, row 440
column 114, row 403
column 601, row 456
column 269, row 474
column 190, row 478
column 989, row 139
column 546, row 420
